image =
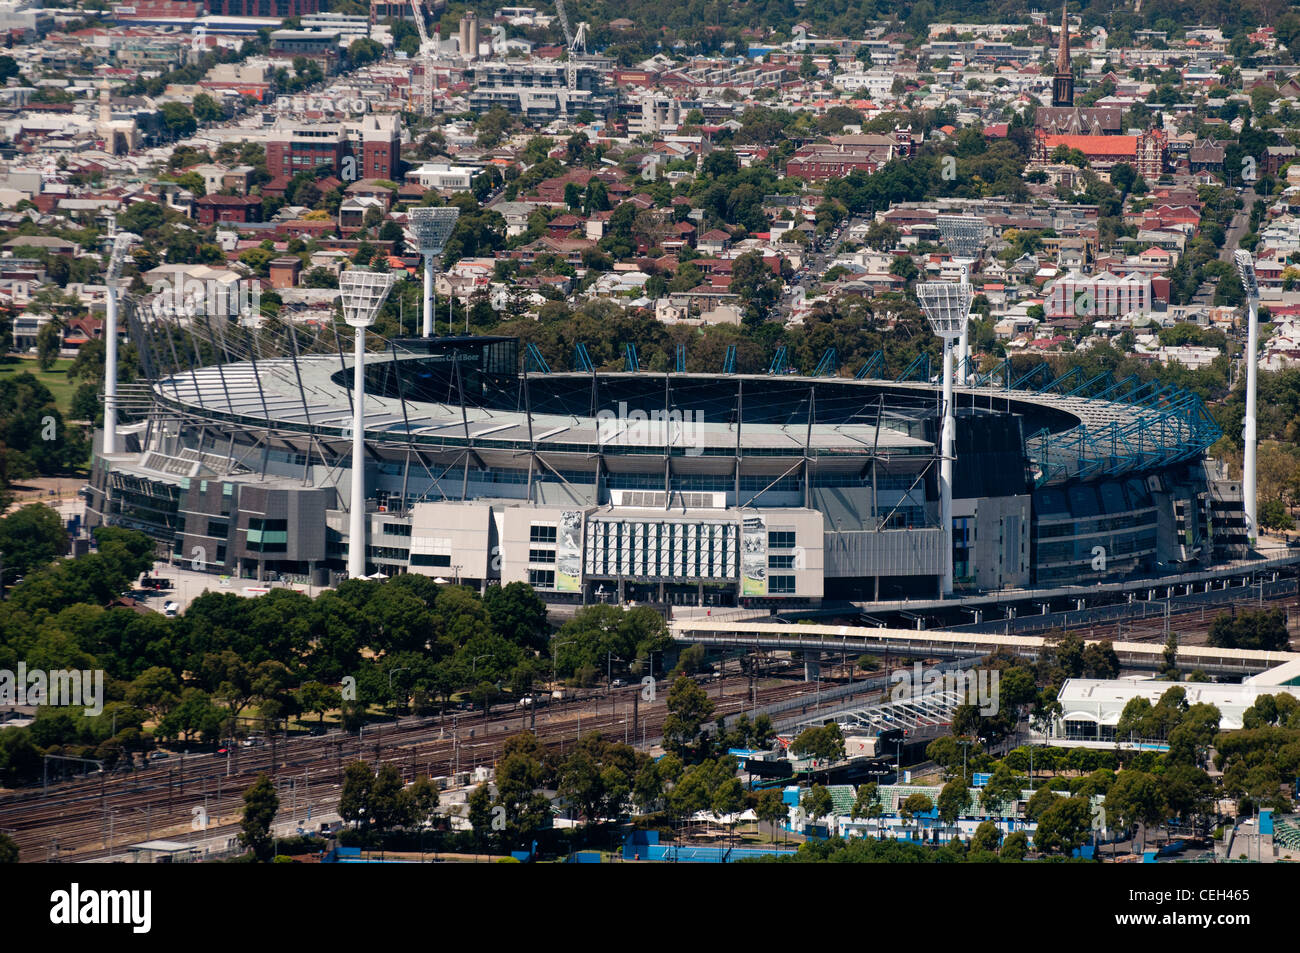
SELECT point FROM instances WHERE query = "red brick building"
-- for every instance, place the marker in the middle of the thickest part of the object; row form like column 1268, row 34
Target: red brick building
column 228, row 208
column 304, row 146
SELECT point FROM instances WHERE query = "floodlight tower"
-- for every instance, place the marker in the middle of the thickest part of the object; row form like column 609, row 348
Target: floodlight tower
column 947, row 306
column 121, row 243
column 1246, row 270
column 362, row 293
column 432, row 227
column 964, row 236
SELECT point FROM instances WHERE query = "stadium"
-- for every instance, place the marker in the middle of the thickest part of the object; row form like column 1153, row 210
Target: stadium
column 777, row 489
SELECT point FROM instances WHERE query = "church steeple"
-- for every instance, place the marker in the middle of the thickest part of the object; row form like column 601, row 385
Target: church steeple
column 1063, row 83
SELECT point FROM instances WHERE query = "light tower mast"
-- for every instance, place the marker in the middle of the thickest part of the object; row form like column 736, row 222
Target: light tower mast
column 964, row 236
column 947, row 306
column 432, row 227
column 122, row 242
column 1246, row 270
column 362, row 292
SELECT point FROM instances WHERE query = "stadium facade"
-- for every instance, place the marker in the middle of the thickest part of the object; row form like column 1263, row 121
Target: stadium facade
column 684, row 488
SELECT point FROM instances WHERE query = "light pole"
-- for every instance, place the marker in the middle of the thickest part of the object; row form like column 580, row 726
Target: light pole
column 362, row 293
column 947, row 306
column 964, row 236
column 432, row 227
column 1246, row 271
column 121, row 242
column 555, row 658
column 390, row 685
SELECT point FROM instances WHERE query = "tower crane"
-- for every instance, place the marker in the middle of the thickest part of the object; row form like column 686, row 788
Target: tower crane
column 428, row 50
column 576, row 43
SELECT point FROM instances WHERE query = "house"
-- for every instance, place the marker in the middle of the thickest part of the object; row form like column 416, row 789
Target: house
column 228, row 208
column 713, row 242
column 284, row 272
column 354, row 210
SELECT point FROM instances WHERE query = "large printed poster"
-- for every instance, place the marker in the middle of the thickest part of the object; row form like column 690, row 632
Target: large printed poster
column 753, row 556
column 568, row 552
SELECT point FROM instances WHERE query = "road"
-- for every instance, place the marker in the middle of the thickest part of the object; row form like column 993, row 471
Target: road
column 817, row 263
column 1239, row 226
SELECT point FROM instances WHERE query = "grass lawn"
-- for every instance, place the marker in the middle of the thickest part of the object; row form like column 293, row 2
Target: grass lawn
column 56, row 378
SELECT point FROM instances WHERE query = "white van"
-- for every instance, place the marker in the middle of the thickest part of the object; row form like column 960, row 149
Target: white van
column 171, row 608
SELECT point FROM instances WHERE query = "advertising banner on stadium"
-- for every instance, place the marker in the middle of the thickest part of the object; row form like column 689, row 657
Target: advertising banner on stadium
column 568, row 552
column 753, row 556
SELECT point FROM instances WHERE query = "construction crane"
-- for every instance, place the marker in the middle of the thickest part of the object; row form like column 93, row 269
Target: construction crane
column 428, row 50
column 576, row 43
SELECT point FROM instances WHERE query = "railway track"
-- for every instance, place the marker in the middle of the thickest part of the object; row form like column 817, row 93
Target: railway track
column 89, row 818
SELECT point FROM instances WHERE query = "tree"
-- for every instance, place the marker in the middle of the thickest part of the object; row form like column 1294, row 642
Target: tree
column 49, row 339
column 1064, row 826
column 758, row 288
column 480, row 811
column 517, row 613
column 1251, row 630
column 954, row 800
column 817, row 802
column 260, row 807
column 421, row 801
column 825, row 743
column 520, row 773
column 315, row 697
column 178, row 120
column 387, row 807
column 1015, row 846
column 354, row 801
column 8, row 849
column 156, row 690
column 688, row 709
column 207, row 109
column 1273, row 514
column 985, row 838
column 31, row 537
column 1135, row 798
column 771, row 808
column 363, row 50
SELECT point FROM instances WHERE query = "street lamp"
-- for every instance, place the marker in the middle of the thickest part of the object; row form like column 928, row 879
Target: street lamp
column 122, row 241
column 947, row 306
column 964, row 236
column 1246, row 270
column 555, row 658
column 432, row 227
column 362, row 293
column 390, row 681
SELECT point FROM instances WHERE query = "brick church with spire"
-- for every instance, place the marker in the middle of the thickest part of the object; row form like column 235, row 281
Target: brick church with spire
column 1065, row 118
column 1063, row 82
column 1092, row 130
